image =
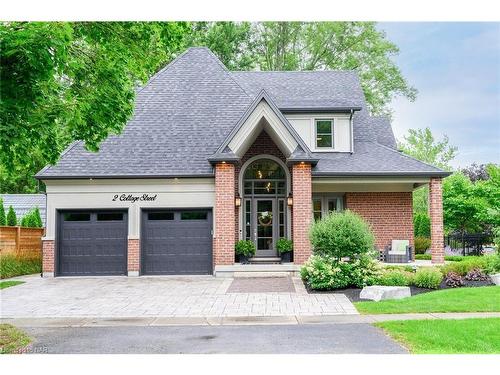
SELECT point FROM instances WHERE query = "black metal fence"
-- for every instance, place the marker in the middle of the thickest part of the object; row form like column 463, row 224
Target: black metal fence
column 468, row 243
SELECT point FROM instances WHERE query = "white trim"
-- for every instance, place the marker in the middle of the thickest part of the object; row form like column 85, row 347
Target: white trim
column 240, row 191
column 252, row 127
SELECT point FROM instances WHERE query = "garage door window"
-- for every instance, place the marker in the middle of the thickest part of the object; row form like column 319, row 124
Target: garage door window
column 193, row 215
column 160, row 216
column 77, row 216
column 110, row 216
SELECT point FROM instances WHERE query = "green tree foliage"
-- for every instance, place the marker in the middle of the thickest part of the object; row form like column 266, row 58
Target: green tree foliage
column 422, row 225
column 11, row 217
column 421, row 144
column 3, row 218
column 339, row 46
column 464, row 210
column 66, row 81
column 32, row 219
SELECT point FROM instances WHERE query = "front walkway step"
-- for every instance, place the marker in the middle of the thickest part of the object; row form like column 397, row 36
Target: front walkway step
column 257, row 270
column 265, row 260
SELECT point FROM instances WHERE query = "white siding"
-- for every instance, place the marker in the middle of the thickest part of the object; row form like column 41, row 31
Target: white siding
column 304, row 125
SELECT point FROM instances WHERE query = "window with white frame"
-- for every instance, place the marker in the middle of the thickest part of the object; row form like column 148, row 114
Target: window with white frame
column 324, row 133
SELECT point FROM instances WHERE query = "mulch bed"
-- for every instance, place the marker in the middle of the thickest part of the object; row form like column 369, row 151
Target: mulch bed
column 353, row 293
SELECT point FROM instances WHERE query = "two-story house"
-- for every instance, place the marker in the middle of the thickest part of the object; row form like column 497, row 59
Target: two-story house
column 213, row 156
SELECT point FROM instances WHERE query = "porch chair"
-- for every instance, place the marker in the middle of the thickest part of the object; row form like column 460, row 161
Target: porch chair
column 399, row 251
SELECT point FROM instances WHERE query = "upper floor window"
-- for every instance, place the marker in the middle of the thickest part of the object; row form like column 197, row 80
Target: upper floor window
column 324, row 133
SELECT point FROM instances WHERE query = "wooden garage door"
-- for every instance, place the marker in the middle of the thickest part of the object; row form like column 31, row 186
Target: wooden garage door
column 92, row 243
column 176, row 242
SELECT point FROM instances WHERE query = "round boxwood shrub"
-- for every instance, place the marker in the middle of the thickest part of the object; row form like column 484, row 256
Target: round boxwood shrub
column 340, row 235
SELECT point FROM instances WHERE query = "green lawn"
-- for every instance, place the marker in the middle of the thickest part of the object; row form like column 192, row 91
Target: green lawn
column 483, row 299
column 12, row 340
column 6, row 284
column 446, row 336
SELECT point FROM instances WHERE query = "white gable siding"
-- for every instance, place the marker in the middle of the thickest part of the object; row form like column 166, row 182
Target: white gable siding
column 304, row 125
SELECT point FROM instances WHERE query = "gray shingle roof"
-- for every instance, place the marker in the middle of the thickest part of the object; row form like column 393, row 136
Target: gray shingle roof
column 306, row 89
column 383, row 131
column 22, row 203
column 187, row 110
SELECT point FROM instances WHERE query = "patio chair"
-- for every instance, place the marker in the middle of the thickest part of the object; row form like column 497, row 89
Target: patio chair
column 399, row 251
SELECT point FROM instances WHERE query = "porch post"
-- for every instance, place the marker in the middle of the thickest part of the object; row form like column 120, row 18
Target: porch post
column 224, row 223
column 436, row 216
column 301, row 211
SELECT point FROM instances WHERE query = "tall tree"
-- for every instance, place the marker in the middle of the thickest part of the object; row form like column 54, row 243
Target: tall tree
column 336, row 45
column 421, row 144
column 72, row 81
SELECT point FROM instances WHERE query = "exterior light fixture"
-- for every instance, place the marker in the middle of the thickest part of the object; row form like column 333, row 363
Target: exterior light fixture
column 289, row 200
column 237, row 201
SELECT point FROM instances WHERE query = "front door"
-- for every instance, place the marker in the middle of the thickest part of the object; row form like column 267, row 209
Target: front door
column 264, row 223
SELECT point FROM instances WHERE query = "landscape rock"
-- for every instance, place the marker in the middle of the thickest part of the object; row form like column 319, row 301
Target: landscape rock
column 381, row 292
column 495, row 279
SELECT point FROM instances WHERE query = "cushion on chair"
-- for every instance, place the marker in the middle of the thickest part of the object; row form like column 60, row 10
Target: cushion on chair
column 399, row 247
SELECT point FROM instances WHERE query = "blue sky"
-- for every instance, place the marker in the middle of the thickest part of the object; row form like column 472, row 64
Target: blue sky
column 456, row 69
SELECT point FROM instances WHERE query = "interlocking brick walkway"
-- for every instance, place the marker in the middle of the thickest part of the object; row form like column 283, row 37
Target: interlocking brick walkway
column 160, row 297
column 262, row 285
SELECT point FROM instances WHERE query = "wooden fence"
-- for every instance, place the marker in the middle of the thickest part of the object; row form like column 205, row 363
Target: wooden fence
column 21, row 240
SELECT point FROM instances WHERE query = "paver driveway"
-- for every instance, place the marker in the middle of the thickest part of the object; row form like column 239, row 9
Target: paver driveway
column 159, row 297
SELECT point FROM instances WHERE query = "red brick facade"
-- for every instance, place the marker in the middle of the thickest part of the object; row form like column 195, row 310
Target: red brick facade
column 302, row 211
column 48, row 256
column 224, row 224
column 436, row 215
column 389, row 214
column 133, row 255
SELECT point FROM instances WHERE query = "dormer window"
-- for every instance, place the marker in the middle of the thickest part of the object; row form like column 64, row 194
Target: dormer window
column 324, row 133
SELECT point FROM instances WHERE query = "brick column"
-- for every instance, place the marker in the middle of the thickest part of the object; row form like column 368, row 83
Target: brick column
column 436, row 215
column 224, row 223
column 48, row 258
column 133, row 257
column 301, row 211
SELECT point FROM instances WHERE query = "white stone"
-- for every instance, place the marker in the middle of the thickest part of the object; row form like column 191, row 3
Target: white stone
column 380, row 292
column 495, row 279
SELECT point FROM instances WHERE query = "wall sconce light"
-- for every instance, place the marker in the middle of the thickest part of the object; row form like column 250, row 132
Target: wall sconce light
column 289, row 200
column 237, row 201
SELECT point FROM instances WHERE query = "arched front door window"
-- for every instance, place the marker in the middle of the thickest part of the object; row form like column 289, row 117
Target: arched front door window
column 264, row 193
column 264, row 177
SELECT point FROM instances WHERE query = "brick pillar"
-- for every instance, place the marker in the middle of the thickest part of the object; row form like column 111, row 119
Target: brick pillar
column 224, row 224
column 436, row 215
column 133, row 257
column 48, row 258
column 301, row 211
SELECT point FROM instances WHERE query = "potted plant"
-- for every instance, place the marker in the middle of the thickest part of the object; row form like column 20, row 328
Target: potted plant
column 244, row 249
column 285, row 247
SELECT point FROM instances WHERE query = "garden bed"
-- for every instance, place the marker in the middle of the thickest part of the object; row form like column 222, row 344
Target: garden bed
column 353, row 293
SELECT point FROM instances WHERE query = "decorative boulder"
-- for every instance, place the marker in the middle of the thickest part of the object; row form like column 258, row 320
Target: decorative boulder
column 495, row 279
column 380, row 292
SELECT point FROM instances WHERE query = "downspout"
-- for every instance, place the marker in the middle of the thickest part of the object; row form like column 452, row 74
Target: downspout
column 352, row 131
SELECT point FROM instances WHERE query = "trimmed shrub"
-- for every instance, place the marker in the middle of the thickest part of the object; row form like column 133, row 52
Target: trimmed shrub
column 453, row 280
column 11, row 217
column 11, row 265
column 284, row 245
column 395, row 278
column 245, row 248
column 427, row 278
column 340, row 235
column 37, row 218
column 421, row 225
column 467, row 264
column 3, row 218
column 422, row 244
column 32, row 219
